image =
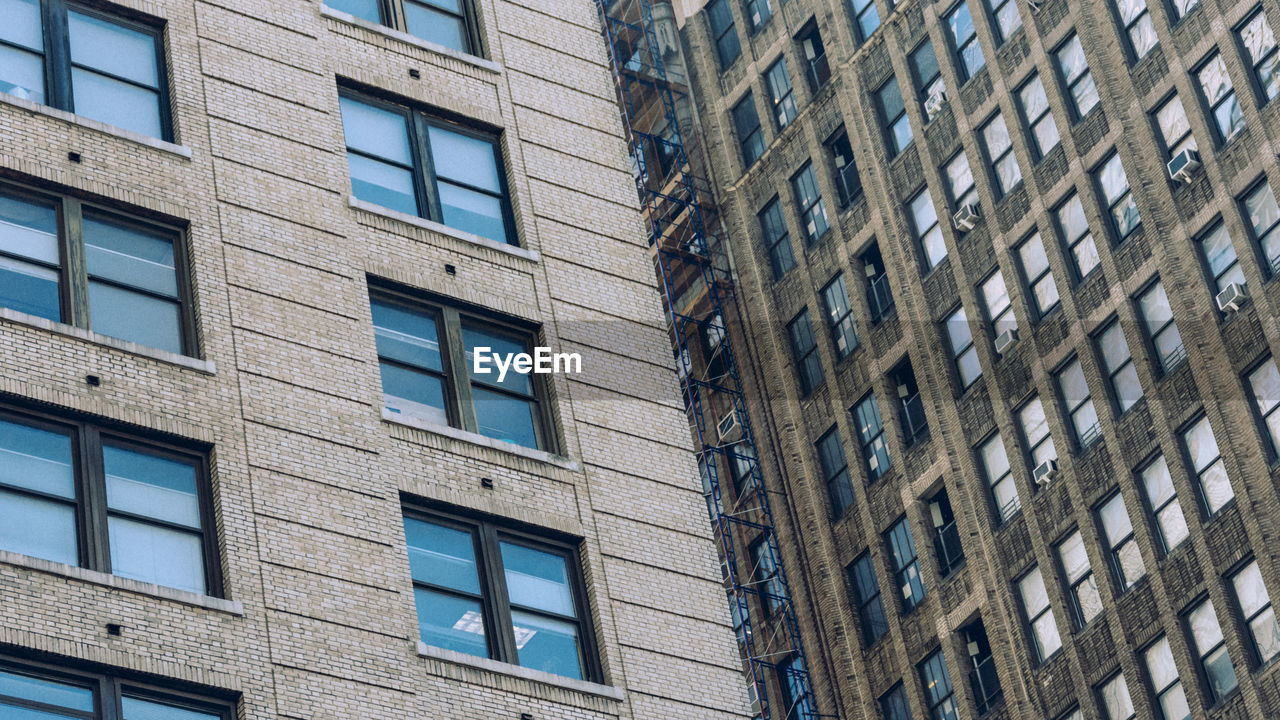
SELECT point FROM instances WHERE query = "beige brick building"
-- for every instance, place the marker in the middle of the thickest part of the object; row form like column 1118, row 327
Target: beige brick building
column 246, row 250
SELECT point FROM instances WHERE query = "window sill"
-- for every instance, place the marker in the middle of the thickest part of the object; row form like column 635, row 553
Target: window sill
column 482, row 440
column 84, row 122
column 405, row 37
column 433, row 226
column 609, row 692
column 231, row 607
column 205, row 366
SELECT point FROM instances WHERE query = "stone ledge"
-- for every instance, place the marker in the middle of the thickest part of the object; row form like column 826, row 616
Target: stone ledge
column 204, row 366
column 609, row 692
column 406, row 38
column 435, row 227
column 482, row 440
column 84, row 122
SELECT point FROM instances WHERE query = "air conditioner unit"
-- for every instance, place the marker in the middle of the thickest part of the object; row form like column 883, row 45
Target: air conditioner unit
column 1005, row 339
column 1184, row 165
column 966, row 218
column 1230, row 299
column 937, row 100
column 728, row 426
column 1045, row 472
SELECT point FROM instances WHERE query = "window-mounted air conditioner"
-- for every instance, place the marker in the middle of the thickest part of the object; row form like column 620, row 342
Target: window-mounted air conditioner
column 728, row 426
column 1184, row 165
column 966, row 218
column 1232, row 298
column 1005, row 339
column 936, row 101
column 1045, row 472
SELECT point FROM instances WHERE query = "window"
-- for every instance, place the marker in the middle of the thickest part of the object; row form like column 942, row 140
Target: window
column 866, row 417
column 995, row 466
column 454, row 177
column 1075, row 229
column 927, row 76
column 444, row 22
column 1075, row 395
column 747, row 123
column 1157, row 318
column 1165, row 681
column 893, row 704
column 938, row 693
column 995, row 135
column 764, row 575
column 902, row 550
column 840, row 318
column 1162, row 498
column 1122, row 375
column 66, row 261
column 1007, row 18
column 835, row 472
column 962, row 349
column 796, row 701
column 1182, row 7
column 915, row 425
column 483, row 590
column 34, row 692
column 866, row 593
column 1264, row 218
column 983, row 679
column 1039, row 277
column 1035, row 111
column 759, row 12
column 1035, row 431
column 1116, row 702
column 1076, row 76
column 1211, row 648
column 1221, row 96
column 1086, row 603
column 1264, row 381
column 924, row 220
column 1220, row 255
column 805, row 351
column 1260, row 48
column 1115, row 191
column 865, row 17
column 809, row 202
column 422, row 364
column 1206, row 462
column 960, row 181
column 720, row 21
column 946, row 536
column 965, row 37
column 818, row 68
column 777, row 239
column 893, row 113
column 784, row 103
column 1255, row 607
column 1175, row 129
column 879, row 294
column 742, row 463
column 142, row 507
column 996, row 299
column 1137, row 24
column 1124, row 554
column 87, row 62
column 848, row 183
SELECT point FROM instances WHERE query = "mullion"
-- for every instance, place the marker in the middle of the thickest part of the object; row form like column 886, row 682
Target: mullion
column 57, row 39
column 500, row 600
column 426, row 179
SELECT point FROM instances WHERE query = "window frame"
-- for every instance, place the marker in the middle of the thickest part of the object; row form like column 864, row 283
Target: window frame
column 1031, row 283
column 802, row 356
column 1004, row 514
column 1262, row 416
column 1198, row 474
column 1114, row 375
column 1084, row 579
column 1124, row 197
column 757, row 133
column 1215, row 104
column 887, row 123
column 1101, row 691
column 871, row 440
column 1255, row 64
column 1164, row 363
column 810, row 206
column 937, row 702
column 926, row 86
column 1185, row 141
column 1128, row 27
column 865, row 622
column 783, row 101
column 1175, row 685
column 835, row 478
column 1270, row 235
column 1086, row 438
column 922, row 235
column 717, row 36
column 1204, row 657
column 771, row 215
column 841, row 323
column 868, row 9
column 1215, row 279
column 958, row 354
column 1033, row 123
column 963, row 72
column 904, row 565
column 1117, row 548
column 1248, row 620
column 1034, row 445
column 848, row 192
column 392, row 15
column 1041, row 657
column 1079, row 241
column 994, row 161
column 994, row 8
column 1155, row 512
column 1070, row 83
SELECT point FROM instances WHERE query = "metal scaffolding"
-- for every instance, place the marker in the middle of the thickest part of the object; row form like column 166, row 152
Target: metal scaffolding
column 682, row 218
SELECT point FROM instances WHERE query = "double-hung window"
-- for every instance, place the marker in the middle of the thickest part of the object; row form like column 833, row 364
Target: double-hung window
column 1137, row 24
column 1264, row 381
column 813, row 213
column 1162, row 331
column 1116, row 702
column 777, row 239
column 1165, row 681
column 999, row 310
column 1175, row 129
column 1260, row 49
column 784, row 100
column 1079, row 403
column 1181, row 8
column 938, row 692
column 1264, row 220
column 65, row 261
column 484, row 590
column 893, row 116
column 1114, row 186
column 848, row 182
column 747, row 122
column 725, row 35
column 835, row 472
column 427, row 360
column 1075, row 231
column 1034, row 104
column 963, row 351
column 893, row 704
column 1255, row 608
column 875, row 450
column 759, row 12
column 866, row 593
column 960, row 181
column 413, row 163
column 1004, row 164
column 865, row 17
column 1206, row 463
column 1122, row 548
column 88, row 62
column 764, row 575
column 1035, row 603
column 1086, row 603
column 1220, row 255
column 995, row 467
column 804, row 350
column 1211, row 648
column 844, row 335
column 1035, row 431
column 1074, row 69
column 444, row 22
column 1039, row 276
column 924, row 221
column 1122, row 374
column 79, row 494
column 1007, row 17
column 965, row 39
column 1221, row 96
column 30, row 691
column 906, row 569
column 927, row 76
column 1162, row 498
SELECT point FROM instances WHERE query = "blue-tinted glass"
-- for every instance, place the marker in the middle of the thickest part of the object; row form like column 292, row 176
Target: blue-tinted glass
column 39, row 528
column 29, row 230
column 36, row 459
column 110, row 48
column 413, row 393
column 116, row 103
column 503, row 417
column 430, row 24
column 547, row 645
column 135, row 317
column 21, row 74
column 155, row 554
column 151, row 486
column 130, row 257
column 139, row 709
column 382, row 184
column 537, row 580
column 442, row 556
column 449, row 622
column 406, row 336
column 472, row 211
column 464, row 160
column 22, row 24
column 366, row 9
column 45, row 691
column 500, row 345
column 902, row 136
column 376, row 131
column 29, row 289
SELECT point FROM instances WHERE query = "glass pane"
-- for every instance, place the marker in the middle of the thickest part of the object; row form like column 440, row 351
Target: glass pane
column 472, row 211
column 1265, row 382
column 156, row 555
column 375, row 131
column 39, row 528
column 1128, row 388
column 464, row 159
column 12, row 712
column 48, row 692
column 969, row 366
column 1250, row 590
column 1089, row 599
column 450, row 622
column 1034, row 596
column 536, row 579
column 110, row 48
column 500, row 345
column 1266, row 634
column 139, row 709
column 1201, row 444
column 994, row 459
column 1221, row 674
column 128, row 256
column 547, row 645
column 116, row 103
column 1085, row 94
column 1071, row 60
column 21, row 74
column 1160, row 664
column 1158, row 482
column 382, row 184
column 1075, row 561
column 1257, row 37
column 1204, row 627
column 29, row 289
column 1174, row 704
column 1074, row 388
column 1115, row 520
column 1262, row 208
column 151, row 486
column 413, row 393
column 29, row 230
column 442, row 556
column 407, row 336
column 135, row 317
column 1084, row 420
column 1173, row 525
column 1130, row 559
column 1115, row 698
column 1046, row 629
column 22, row 24
column 36, row 459
column 437, row 27
column 1086, row 255
column 503, row 417
column 935, row 247
column 1034, row 425
column 365, row 9
column 1216, row 487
